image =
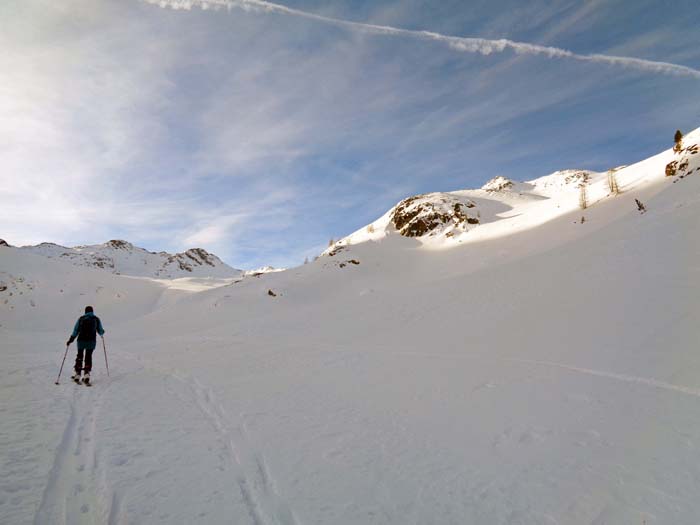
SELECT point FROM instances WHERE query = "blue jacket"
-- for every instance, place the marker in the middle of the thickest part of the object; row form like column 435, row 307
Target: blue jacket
column 85, row 330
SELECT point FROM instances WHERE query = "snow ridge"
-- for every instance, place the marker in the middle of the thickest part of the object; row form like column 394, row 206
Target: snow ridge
column 503, row 207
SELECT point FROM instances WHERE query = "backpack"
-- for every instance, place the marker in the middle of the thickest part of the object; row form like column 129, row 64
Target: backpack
column 87, row 328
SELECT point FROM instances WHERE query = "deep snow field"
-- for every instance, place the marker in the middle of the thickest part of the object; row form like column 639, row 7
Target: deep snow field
column 528, row 370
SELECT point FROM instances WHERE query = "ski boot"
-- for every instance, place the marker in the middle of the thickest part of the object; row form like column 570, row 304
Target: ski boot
column 86, row 379
column 76, row 377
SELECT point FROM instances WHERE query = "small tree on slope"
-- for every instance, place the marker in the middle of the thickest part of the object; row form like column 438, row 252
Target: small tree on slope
column 678, row 141
column 583, row 197
column 612, row 182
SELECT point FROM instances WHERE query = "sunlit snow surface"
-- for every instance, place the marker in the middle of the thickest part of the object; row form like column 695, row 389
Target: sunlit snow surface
column 532, row 370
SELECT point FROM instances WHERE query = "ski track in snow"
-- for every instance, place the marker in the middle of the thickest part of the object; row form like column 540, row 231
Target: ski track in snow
column 77, row 489
column 653, row 383
column 257, row 487
column 611, row 375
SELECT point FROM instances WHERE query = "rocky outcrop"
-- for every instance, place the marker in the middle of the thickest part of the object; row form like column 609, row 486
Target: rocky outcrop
column 189, row 260
column 433, row 214
column 200, row 256
column 682, row 165
column 119, row 245
column 498, row 184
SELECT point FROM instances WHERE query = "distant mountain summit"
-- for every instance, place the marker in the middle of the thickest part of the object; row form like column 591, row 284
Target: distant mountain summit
column 458, row 216
column 123, row 258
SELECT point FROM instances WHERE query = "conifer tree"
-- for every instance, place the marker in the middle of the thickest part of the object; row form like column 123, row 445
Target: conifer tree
column 678, row 141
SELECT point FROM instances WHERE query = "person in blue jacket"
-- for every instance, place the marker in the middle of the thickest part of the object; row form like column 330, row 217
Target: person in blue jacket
column 85, row 330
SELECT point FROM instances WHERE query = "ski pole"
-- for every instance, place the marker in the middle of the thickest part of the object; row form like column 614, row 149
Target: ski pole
column 62, row 363
column 105, row 349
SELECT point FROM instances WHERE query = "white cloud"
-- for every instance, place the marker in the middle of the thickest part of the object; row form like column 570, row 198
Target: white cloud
column 214, row 231
column 77, row 109
column 248, row 136
column 463, row 44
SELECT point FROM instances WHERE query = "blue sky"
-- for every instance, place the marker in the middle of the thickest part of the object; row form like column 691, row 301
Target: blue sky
column 258, row 134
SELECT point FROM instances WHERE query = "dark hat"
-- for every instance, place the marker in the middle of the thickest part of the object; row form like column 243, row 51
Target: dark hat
column 88, row 309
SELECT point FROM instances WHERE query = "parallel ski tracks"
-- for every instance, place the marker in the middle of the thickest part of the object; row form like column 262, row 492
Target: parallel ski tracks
column 77, row 491
column 257, row 487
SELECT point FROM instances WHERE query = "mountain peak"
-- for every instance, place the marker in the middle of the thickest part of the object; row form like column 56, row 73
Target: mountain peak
column 122, row 257
column 498, row 183
column 119, row 244
column 200, row 255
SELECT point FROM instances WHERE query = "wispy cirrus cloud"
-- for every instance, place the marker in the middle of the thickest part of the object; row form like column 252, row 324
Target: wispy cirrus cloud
column 463, row 44
column 261, row 137
column 78, row 109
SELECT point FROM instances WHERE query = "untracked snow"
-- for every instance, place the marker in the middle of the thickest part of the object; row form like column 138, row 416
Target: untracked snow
column 534, row 368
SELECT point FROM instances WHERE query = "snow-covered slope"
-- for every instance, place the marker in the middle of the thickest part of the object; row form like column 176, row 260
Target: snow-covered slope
column 505, row 207
column 121, row 257
column 542, row 370
column 262, row 270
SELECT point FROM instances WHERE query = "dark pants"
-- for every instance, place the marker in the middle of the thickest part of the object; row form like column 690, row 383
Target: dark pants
column 79, row 360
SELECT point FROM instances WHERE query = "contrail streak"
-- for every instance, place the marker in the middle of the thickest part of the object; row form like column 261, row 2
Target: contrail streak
column 467, row 45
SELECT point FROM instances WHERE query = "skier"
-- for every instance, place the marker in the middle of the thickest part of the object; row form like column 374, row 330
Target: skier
column 85, row 330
